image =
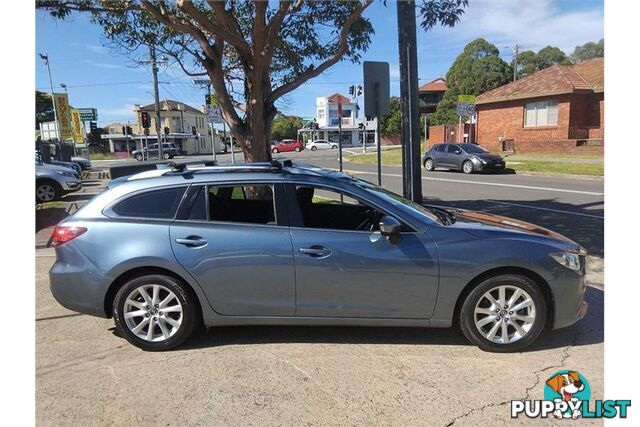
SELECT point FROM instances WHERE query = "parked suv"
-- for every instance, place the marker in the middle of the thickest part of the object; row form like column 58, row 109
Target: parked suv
column 285, row 244
column 468, row 158
column 52, row 182
column 287, row 145
column 169, row 151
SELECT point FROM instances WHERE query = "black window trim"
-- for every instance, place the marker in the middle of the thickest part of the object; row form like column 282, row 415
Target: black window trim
column 111, row 213
column 296, row 216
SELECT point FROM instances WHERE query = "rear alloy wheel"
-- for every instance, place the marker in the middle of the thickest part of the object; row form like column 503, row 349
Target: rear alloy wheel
column 155, row 312
column 139, row 157
column 428, row 164
column 275, row 151
column 47, row 191
column 503, row 314
column 297, row 149
column 467, row 167
column 334, row 147
column 166, row 156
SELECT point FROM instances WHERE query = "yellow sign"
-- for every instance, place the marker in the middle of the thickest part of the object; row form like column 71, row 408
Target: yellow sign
column 213, row 100
column 76, row 123
column 64, row 115
column 467, row 99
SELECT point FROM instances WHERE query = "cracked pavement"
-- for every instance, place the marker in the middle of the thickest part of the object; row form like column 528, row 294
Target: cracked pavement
column 294, row 375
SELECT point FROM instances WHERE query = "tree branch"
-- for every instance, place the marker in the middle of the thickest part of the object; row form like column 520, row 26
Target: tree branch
column 312, row 72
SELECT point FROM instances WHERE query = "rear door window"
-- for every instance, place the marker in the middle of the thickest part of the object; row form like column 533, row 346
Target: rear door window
column 157, row 204
column 452, row 149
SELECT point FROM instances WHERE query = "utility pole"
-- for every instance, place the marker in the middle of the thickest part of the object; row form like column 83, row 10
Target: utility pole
column 516, row 52
column 154, row 69
column 411, row 173
column 45, row 59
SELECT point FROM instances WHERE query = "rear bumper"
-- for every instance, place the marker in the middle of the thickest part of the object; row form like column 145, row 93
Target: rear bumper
column 76, row 283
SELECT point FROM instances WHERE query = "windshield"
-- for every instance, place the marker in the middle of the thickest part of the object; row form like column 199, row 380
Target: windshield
column 473, row 149
column 398, row 201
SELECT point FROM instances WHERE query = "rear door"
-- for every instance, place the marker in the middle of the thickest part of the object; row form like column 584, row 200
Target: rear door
column 235, row 242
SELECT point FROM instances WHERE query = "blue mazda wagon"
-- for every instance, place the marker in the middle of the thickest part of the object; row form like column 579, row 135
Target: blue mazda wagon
column 285, row 244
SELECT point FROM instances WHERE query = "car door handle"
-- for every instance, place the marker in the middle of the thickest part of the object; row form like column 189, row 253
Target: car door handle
column 316, row 251
column 192, row 241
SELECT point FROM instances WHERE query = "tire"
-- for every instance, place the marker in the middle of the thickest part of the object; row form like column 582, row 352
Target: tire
column 138, row 157
column 188, row 320
column 166, row 156
column 467, row 167
column 275, row 151
column 334, row 147
column 516, row 341
column 297, row 149
column 428, row 164
column 47, row 190
column 314, row 148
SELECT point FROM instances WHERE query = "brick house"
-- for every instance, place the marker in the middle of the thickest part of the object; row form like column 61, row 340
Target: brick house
column 558, row 109
column 430, row 94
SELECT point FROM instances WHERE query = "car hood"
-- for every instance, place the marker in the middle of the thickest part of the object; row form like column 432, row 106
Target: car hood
column 488, row 157
column 477, row 223
column 52, row 168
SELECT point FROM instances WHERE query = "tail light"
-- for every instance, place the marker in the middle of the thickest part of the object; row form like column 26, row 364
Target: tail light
column 62, row 234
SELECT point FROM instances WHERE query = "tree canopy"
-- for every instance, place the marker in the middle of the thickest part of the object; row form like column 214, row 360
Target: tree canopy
column 477, row 69
column 44, row 108
column 254, row 52
column 285, row 127
column 587, row 51
column 529, row 62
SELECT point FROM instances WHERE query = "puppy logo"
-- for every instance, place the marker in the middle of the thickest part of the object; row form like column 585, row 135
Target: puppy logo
column 569, row 387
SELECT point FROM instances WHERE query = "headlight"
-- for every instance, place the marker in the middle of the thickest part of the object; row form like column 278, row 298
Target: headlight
column 69, row 174
column 481, row 161
column 568, row 259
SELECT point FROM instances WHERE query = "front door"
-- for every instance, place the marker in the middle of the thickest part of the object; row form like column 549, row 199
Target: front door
column 345, row 268
column 232, row 241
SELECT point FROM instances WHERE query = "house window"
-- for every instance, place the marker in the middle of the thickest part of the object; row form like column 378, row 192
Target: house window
column 542, row 113
column 321, row 114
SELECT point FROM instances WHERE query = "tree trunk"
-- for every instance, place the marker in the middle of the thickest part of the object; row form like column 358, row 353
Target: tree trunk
column 255, row 140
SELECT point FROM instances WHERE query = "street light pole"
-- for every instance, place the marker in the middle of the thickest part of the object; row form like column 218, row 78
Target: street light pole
column 45, row 58
column 516, row 52
column 154, row 69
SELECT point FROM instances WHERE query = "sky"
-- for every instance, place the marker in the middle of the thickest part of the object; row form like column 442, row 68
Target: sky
column 100, row 78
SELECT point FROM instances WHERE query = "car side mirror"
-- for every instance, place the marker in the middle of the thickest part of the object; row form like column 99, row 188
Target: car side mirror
column 389, row 226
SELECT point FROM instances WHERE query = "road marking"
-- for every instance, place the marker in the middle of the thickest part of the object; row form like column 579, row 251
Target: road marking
column 545, row 209
column 494, row 184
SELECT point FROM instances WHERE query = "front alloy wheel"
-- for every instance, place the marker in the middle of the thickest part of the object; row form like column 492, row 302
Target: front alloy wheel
column 428, row 164
column 504, row 313
column 467, row 167
column 46, row 192
column 155, row 312
column 314, row 148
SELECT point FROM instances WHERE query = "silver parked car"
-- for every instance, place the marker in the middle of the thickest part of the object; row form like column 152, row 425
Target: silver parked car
column 52, row 182
column 284, row 244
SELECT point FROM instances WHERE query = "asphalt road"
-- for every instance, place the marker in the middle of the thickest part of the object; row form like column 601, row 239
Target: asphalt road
column 87, row 375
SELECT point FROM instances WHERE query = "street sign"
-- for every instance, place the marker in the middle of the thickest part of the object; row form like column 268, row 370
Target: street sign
column 88, row 114
column 213, row 114
column 376, row 75
column 466, row 105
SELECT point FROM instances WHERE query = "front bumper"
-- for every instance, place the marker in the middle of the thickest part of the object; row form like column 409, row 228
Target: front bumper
column 493, row 166
column 568, row 293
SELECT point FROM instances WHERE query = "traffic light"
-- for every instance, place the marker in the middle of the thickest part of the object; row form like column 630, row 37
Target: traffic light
column 361, row 126
column 129, row 130
column 93, row 126
column 193, row 130
column 166, row 130
column 124, row 131
column 352, row 90
column 359, row 90
column 145, row 118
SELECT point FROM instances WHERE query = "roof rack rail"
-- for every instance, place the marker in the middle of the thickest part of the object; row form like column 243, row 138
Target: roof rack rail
column 279, row 164
column 181, row 167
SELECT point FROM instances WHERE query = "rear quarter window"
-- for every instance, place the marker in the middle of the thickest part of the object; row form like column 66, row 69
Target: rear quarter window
column 157, row 204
